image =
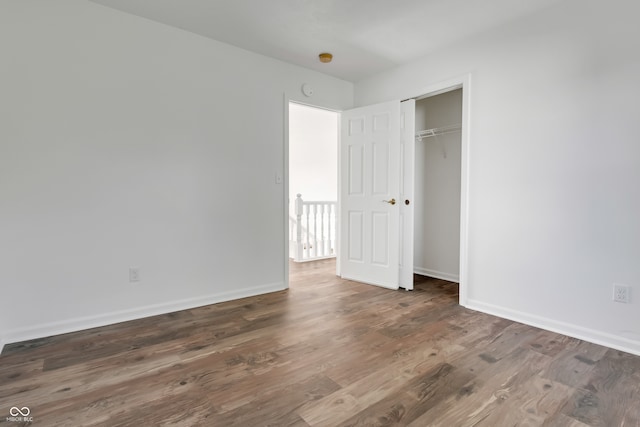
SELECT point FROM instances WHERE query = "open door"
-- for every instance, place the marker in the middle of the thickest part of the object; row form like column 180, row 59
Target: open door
column 369, row 194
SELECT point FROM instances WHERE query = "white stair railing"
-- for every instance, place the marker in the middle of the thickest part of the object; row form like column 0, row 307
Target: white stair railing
column 312, row 231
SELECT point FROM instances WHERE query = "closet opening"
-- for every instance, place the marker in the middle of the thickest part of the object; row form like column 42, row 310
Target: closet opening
column 438, row 180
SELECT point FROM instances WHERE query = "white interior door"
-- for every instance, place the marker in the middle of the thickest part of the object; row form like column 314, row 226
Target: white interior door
column 370, row 194
column 407, row 178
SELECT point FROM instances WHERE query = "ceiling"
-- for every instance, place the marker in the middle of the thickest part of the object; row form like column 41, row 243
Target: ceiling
column 365, row 36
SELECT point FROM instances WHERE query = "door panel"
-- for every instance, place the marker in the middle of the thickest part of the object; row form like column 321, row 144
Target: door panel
column 380, row 172
column 356, row 232
column 370, row 167
column 380, row 241
column 356, row 169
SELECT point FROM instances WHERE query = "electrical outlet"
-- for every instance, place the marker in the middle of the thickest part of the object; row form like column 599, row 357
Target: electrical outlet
column 621, row 293
column 134, row 274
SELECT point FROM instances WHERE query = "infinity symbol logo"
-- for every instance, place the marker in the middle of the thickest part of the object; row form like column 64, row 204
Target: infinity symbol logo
column 15, row 411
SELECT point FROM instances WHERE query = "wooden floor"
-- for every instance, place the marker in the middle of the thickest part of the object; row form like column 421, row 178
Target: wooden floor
column 327, row 352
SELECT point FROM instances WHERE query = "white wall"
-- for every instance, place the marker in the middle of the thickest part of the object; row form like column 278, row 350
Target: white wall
column 124, row 142
column 313, row 153
column 554, row 165
column 437, row 188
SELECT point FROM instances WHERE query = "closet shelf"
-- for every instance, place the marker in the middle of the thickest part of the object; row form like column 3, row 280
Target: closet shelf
column 427, row 133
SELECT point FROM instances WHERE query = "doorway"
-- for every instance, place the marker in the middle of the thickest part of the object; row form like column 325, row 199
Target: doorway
column 438, row 124
column 312, row 182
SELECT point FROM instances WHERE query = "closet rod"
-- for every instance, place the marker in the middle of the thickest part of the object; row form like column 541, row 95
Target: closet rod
column 438, row 131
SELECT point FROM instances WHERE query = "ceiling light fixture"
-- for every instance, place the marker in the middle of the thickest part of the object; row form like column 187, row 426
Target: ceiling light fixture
column 325, row 57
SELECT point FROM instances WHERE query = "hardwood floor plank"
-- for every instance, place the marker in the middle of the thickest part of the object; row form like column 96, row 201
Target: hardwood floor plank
column 417, row 396
column 430, row 340
column 389, row 378
column 612, row 392
column 492, row 386
column 531, row 404
column 12, row 372
column 562, row 420
column 279, row 404
column 552, row 344
column 573, row 366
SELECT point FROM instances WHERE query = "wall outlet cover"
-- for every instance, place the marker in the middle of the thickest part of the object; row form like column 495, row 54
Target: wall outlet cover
column 621, row 293
column 134, row 274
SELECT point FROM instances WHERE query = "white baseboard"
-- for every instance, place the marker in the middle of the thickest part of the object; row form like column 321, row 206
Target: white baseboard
column 575, row 331
column 437, row 274
column 82, row 323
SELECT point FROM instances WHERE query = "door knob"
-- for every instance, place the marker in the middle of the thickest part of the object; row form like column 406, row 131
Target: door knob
column 391, row 202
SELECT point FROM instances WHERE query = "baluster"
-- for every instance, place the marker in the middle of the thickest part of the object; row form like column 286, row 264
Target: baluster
column 323, row 242
column 308, row 237
column 329, row 232
column 329, row 227
column 298, row 209
column 315, row 230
